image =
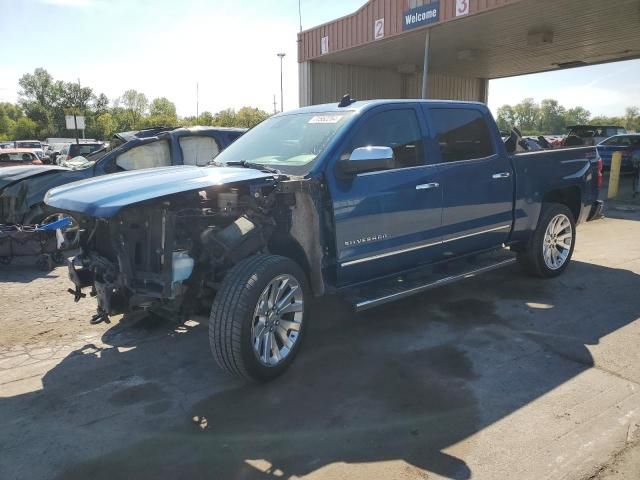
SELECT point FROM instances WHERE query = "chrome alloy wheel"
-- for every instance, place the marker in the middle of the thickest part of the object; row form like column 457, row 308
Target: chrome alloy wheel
column 557, row 242
column 277, row 320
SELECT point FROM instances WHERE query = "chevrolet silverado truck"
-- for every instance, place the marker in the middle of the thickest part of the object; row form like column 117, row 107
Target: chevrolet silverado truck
column 373, row 201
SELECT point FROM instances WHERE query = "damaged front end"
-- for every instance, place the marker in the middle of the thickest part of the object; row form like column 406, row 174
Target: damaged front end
column 168, row 256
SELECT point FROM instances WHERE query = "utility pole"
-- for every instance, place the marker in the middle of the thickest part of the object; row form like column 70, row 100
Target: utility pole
column 275, row 104
column 75, row 118
column 300, row 13
column 281, row 55
column 197, row 103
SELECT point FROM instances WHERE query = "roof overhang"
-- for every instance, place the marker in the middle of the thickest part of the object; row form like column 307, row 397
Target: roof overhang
column 519, row 38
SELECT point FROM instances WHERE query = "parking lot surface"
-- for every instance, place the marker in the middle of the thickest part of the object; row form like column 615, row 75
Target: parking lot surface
column 499, row 377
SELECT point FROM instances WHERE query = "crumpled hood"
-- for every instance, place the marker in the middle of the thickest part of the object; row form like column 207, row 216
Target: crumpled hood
column 9, row 175
column 106, row 196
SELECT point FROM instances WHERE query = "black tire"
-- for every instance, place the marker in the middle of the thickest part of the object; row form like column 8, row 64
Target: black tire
column 232, row 316
column 532, row 257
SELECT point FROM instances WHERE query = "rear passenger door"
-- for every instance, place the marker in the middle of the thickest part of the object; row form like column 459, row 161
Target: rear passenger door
column 476, row 178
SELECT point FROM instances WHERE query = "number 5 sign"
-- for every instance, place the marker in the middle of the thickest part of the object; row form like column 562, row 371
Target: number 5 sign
column 462, row 7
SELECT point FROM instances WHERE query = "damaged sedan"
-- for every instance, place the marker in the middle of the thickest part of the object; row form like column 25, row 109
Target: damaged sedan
column 22, row 189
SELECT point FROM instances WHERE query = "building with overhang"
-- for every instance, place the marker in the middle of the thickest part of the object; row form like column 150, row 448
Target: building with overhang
column 384, row 49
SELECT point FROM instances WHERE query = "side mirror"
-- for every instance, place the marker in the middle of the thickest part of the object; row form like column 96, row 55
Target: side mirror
column 368, row 159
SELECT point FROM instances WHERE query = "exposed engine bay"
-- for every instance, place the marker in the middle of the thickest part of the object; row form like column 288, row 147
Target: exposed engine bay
column 168, row 255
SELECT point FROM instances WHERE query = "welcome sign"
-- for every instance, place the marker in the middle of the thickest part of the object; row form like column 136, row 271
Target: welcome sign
column 420, row 16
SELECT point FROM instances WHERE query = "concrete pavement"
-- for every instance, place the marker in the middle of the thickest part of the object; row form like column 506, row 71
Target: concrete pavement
column 499, row 377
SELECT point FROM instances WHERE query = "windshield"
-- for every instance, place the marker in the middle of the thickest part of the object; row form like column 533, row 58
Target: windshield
column 289, row 143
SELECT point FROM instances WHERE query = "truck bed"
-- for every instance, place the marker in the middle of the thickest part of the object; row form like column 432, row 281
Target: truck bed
column 562, row 168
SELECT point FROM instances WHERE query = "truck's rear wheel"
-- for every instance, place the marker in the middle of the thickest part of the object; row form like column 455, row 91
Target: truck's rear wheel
column 258, row 317
column 551, row 247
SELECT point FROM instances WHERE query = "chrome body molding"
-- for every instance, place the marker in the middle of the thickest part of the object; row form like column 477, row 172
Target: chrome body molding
column 419, row 247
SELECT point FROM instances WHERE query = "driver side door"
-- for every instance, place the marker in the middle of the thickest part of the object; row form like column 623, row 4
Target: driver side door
column 387, row 220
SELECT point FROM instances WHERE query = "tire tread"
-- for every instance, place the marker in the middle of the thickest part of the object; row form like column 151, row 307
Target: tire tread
column 229, row 308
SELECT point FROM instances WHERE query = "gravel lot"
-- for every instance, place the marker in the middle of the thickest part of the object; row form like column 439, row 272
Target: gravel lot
column 498, row 377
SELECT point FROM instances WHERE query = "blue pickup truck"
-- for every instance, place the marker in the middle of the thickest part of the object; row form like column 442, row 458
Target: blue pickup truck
column 374, row 201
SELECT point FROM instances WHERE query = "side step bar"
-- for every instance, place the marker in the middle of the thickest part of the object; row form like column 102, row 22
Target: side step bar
column 398, row 287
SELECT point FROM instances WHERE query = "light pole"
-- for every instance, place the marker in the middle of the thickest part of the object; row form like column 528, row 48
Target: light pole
column 281, row 55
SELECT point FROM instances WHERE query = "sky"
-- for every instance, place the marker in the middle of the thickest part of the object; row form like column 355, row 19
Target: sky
column 229, row 48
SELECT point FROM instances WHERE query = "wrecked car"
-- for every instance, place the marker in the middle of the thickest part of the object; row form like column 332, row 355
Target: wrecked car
column 374, row 201
column 22, row 189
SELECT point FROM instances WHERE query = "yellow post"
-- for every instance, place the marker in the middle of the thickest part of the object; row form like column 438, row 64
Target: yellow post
column 614, row 175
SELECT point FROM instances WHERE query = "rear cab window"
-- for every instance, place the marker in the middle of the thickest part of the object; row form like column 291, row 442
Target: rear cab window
column 151, row 155
column 198, row 151
column 462, row 134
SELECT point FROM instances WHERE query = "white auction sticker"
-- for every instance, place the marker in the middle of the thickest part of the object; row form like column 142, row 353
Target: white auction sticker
column 326, row 119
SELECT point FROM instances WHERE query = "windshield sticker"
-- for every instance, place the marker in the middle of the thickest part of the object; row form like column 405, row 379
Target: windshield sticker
column 326, row 119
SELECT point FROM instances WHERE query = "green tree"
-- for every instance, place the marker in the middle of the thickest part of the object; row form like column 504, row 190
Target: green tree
column 100, row 104
column 552, row 117
column 105, row 126
column 40, row 97
column 506, row 118
column 577, row 116
column 225, row 118
column 162, row 107
column 249, row 117
column 25, row 129
column 134, row 106
column 206, row 118
column 527, row 115
column 76, row 99
column 162, row 112
column 9, row 113
column 632, row 119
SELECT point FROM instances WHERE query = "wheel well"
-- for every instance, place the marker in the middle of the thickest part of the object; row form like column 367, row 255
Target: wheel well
column 569, row 196
column 286, row 246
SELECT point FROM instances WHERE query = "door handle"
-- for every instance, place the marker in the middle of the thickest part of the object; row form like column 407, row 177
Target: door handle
column 497, row 176
column 427, row 186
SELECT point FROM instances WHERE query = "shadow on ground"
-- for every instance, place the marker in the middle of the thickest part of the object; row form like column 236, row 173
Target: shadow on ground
column 402, row 382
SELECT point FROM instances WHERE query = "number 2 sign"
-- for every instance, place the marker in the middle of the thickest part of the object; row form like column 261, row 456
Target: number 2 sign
column 378, row 29
column 462, row 7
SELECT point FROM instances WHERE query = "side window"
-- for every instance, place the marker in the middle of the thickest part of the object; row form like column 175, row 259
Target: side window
column 198, row 151
column 151, row 155
column 397, row 129
column 462, row 134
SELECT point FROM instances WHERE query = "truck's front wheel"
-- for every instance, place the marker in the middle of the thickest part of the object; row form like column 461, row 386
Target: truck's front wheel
column 258, row 317
column 551, row 247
